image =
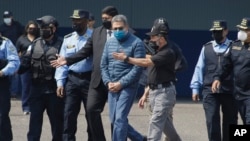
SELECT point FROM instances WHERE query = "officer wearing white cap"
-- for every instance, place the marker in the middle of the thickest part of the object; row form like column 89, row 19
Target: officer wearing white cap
column 9, row 63
column 73, row 81
column 210, row 61
column 43, row 87
column 237, row 62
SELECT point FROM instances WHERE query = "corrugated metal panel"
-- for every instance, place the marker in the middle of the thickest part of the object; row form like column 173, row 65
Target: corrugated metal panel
column 184, row 15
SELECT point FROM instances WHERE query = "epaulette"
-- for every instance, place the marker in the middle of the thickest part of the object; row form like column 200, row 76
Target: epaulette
column 68, row 35
column 4, row 38
column 207, row 44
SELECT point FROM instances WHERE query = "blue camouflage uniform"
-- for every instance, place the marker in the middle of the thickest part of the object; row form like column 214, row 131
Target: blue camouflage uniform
column 10, row 62
column 75, row 79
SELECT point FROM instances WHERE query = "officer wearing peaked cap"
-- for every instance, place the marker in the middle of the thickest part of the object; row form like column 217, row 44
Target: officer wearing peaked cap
column 73, row 81
column 237, row 61
column 210, row 62
column 9, row 63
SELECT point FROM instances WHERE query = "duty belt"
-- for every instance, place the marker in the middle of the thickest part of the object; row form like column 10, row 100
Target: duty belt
column 160, row 86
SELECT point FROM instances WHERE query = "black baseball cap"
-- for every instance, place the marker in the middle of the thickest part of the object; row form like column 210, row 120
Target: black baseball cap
column 7, row 14
column 47, row 21
column 80, row 14
column 160, row 27
column 218, row 25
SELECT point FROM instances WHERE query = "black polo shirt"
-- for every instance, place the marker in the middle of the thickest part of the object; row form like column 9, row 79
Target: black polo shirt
column 164, row 63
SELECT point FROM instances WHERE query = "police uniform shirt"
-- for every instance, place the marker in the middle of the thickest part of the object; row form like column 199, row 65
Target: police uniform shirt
column 163, row 69
column 8, row 51
column 197, row 79
column 72, row 43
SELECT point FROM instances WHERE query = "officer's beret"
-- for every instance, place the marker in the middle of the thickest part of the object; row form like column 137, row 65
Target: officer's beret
column 245, row 24
column 47, row 21
column 160, row 27
column 110, row 10
column 218, row 25
column 80, row 14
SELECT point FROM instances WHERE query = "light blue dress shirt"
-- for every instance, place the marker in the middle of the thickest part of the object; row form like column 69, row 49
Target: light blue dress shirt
column 72, row 43
column 8, row 51
column 197, row 79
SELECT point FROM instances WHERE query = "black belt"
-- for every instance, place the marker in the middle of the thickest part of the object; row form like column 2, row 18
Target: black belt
column 82, row 75
column 160, row 86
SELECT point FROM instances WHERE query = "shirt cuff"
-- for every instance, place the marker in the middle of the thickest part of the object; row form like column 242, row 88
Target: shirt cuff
column 60, row 83
column 195, row 91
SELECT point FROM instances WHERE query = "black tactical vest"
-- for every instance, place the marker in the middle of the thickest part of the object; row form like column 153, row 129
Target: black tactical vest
column 42, row 54
column 213, row 64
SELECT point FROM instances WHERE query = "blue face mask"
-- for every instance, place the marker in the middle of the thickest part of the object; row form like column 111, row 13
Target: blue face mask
column 120, row 34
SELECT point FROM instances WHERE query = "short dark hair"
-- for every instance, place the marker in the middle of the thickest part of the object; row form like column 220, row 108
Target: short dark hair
column 110, row 10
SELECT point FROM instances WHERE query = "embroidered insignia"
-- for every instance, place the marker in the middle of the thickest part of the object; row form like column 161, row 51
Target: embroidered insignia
column 236, row 48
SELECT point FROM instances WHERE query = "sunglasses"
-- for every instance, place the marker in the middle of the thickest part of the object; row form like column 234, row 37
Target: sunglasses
column 118, row 28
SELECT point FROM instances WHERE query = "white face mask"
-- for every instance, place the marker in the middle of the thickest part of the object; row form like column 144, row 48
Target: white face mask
column 7, row 21
column 242, row 35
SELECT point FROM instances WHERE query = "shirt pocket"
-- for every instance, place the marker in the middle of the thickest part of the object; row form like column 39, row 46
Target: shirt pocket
column 70, row 51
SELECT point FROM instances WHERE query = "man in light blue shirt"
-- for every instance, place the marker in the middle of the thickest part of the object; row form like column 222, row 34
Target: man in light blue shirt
column 9, row 64
column 73, row 81
column 210, row 62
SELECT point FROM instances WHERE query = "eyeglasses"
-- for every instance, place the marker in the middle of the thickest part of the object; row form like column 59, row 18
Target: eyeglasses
column 32, row 28
column 118, row 28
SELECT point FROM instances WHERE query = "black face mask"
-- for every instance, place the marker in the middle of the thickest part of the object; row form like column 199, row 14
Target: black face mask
column 218, row 37
column 45, row 34
column 106, row 24
column 78, row 28
column 33, row 31
column 153, row 45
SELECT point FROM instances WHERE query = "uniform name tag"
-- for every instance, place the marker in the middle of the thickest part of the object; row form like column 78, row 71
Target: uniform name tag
column 236, row 48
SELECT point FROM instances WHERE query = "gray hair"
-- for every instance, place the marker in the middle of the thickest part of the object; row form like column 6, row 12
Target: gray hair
column 120, row 18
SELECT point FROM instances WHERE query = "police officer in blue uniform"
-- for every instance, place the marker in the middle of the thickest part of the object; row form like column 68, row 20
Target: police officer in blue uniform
column 210, row 61
column 43, row 89
column 237, row 60
column 9, row 64
column 73, row 81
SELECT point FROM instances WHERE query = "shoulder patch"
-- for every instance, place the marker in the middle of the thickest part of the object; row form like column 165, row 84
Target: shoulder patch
column 4, row 38
column 68, row 35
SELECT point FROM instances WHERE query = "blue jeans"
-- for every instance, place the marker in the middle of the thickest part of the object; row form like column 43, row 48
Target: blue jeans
column 119, row 107
column 5, row 124
column 25, row 84
column 162, row 102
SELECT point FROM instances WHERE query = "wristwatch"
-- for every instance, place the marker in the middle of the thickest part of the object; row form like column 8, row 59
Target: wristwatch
column 126, row 59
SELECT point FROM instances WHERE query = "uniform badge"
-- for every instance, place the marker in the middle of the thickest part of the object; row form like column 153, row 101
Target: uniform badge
column 70, row 46
column 236, row 48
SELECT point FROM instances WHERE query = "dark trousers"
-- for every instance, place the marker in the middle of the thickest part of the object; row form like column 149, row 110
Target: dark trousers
column 5, row 124
column 39, row 102
column 76, row 91
column 97, row 98
column 244, row 109
column 25, row 85
column 212, row 104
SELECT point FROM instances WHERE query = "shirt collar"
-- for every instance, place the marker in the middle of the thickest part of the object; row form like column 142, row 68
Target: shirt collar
column 87, row 34
column 226, row 43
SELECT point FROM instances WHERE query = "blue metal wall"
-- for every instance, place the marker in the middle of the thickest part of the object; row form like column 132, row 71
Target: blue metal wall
column 189, row 20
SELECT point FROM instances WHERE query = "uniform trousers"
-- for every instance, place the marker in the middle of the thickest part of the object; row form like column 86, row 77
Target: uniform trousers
column 39, row 102
column 162, row 102
column 212, row 103
column 5, row 124
column 76, row 91
column 244, row 109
